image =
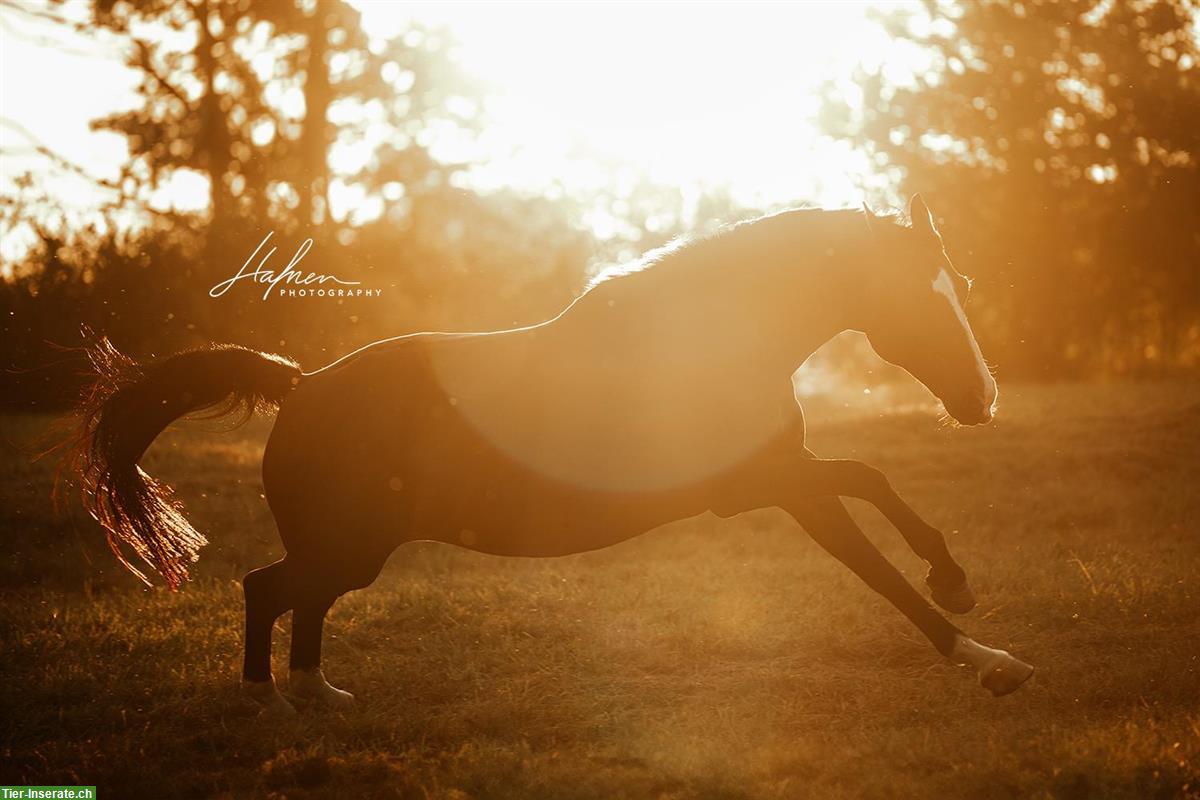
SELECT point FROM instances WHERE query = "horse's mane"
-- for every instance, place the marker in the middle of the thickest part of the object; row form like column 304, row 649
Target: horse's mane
column 694, row 247
column 651, row 257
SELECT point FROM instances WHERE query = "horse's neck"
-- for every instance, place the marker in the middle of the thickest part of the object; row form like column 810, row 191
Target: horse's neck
column 767, row 316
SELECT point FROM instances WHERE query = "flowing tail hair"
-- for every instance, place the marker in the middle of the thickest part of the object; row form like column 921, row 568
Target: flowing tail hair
column 124, row 407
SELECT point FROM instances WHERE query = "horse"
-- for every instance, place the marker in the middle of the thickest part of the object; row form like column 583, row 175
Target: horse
column 662, row 392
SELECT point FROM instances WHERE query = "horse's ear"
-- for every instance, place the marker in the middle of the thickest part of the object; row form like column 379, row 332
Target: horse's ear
column 922, row 219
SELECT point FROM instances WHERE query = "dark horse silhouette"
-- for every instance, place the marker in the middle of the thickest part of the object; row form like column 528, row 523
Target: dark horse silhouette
column 663, row 392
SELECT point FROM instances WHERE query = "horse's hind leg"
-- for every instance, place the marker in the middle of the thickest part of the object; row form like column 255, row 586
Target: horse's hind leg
column 269, row 592
column 831, row 526
column 308, row 619
column 306, row 679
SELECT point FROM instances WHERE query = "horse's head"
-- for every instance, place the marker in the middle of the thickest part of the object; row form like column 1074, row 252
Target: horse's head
column 916, row 318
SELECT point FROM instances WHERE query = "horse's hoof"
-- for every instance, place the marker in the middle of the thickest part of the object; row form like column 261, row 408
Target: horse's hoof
column 1005, row 676
column 311, row 685
column 999, row 671
column 279, row 709
column 955, row 599
column 274, row 705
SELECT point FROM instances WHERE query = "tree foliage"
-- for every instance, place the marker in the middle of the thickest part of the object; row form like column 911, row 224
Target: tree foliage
column 258, row 96
column 1060, row 143
column 277, row 106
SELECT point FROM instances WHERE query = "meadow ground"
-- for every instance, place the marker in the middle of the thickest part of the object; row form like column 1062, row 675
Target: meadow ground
column 710, row 659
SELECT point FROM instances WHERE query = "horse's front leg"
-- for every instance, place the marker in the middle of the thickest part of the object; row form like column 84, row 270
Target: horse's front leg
column 946, row 580
column 831, row 526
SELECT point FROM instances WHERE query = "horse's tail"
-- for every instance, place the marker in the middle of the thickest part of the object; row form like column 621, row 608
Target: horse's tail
column 122, row 410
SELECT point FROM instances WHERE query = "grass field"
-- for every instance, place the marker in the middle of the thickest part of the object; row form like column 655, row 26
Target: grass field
column 711, row 659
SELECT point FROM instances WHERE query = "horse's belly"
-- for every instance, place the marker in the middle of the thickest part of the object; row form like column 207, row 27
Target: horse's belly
column 531, row 516
column 459, row 488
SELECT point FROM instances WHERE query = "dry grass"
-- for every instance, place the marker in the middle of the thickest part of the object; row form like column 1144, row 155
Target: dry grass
column 711, row 659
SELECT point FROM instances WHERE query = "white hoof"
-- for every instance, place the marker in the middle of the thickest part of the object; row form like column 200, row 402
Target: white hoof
column 311, row 685
column 274, row 705
column 1000, row 672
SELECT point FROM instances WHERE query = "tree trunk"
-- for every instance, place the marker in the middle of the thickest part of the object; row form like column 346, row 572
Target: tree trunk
column 215, row 136
column 313, row 184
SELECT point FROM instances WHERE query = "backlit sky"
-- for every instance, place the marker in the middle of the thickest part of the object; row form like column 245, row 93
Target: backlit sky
column 688, row 95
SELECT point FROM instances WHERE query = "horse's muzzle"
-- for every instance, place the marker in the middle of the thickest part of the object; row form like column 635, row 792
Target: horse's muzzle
column 979, row 416
column 976, row 409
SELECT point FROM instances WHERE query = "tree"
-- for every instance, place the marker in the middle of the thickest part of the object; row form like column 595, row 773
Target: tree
column 244, row 93
column 1060, row 141
column 280, row 105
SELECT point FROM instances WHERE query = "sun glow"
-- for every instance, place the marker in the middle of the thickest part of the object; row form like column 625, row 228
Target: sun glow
column 578, row 98
column 691, row 96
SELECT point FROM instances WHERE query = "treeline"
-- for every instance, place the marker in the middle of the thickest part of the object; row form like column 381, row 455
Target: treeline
column 501, row 261
column 1060, row 143
column 282, row 108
